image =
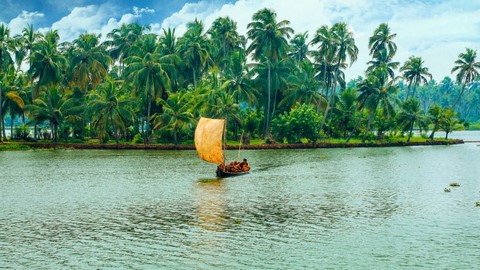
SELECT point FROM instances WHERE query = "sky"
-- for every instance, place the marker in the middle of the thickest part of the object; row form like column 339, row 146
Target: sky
column 435, row 30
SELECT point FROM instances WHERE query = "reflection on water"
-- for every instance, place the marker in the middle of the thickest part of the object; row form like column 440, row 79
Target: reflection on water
column 211, row 204
column 367, row 208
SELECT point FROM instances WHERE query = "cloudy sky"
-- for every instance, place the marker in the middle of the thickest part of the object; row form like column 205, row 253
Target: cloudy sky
column 436, row 30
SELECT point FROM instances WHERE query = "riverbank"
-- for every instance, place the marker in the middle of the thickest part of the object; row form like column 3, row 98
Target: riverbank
column 125, row 146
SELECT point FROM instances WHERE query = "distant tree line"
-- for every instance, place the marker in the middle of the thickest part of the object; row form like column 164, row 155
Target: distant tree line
column 272, row 84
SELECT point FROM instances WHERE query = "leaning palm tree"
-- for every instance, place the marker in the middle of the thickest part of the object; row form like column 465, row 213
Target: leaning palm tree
column 147, row 73
column 415, row 74
column 468, row 70
column 269, row 43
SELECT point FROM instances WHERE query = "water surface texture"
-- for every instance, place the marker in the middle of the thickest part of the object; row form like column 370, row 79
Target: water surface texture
column 363, row 208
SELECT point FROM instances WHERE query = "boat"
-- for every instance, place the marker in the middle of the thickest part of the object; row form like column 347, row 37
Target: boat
column 210, row 144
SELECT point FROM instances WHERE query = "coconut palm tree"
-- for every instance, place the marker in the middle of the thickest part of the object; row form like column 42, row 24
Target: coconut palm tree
column 89, row 65
column 168, row 49
column 238, row 80
column 194, row 48
column 299, row 49
column 435, row 113
column 120, row 40
column 410, row 115
column 468, row 70
column 54, row 106
column 268, row 44
column 381, row 43
column 303, row 87
column 112, row 108
column 415, row 74
column 225, row 39
column 177, row 114
column 6, row 45
column 147, row 73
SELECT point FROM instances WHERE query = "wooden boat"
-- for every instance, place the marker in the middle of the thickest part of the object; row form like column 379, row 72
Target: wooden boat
column 209, row 142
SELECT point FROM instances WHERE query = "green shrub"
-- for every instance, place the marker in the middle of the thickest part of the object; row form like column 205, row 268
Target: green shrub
column 301, row 122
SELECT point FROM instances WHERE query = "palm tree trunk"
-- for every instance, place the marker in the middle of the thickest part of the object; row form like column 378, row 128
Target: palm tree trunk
column 458, row 97
column 370, row 120
column 410, row 131
column 194, row 79
column 267, row 126
column 1, row 114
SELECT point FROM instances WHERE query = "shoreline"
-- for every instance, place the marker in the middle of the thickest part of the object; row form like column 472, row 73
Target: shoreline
column 234, row 147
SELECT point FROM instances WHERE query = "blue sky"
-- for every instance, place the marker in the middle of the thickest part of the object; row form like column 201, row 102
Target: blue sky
column 436, row 30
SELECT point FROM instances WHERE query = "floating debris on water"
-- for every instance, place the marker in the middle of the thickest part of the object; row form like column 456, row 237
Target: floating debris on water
column 447, row 190
column 477, row 204
column 454, row 184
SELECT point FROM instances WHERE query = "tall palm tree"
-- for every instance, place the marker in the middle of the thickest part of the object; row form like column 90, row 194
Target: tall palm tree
column 299, row 50
column 268, row 43
column 89, row 65
column 415, row 74
column 238, row 80
column 169, row 50
column 120, row 40
column 468, row 70
column 435, row 114
column 194, row 48
column 381, row 43
column 6, row 45
column 147, row 73
column 225, row 39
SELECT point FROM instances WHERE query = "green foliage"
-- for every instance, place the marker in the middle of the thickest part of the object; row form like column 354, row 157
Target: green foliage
column 301, row 122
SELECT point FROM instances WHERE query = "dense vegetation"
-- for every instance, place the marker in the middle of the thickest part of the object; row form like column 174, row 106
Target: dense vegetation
column 272, row 84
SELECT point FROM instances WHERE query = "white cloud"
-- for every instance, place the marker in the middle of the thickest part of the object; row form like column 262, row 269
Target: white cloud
column 17, row 24
column 139, row 11
column 89, row 19
column 437, row 32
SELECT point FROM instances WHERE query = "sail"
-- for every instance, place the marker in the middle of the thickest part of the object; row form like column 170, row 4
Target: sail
column 208, row 139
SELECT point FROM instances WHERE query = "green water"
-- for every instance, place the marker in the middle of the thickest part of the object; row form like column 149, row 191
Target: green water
column 364, row 208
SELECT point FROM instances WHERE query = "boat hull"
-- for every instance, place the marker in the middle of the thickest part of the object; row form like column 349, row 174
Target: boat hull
column 224, row 174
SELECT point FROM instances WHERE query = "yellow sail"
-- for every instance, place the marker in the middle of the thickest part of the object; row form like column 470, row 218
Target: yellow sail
column 208, row 139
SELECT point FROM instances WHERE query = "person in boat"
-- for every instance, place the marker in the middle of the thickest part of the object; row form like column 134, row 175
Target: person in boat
column 236, row 166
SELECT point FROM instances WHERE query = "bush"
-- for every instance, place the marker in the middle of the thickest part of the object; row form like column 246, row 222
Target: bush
column 301, row 122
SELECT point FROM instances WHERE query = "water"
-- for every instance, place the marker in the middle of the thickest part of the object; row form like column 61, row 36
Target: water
column 363, row 208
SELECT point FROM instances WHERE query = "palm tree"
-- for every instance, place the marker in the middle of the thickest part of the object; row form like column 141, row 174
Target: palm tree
column 269, row 44
column 225, row 40
column 345, row 109
column 435, row 114
column 468, row 70
column 299, row 50
column 89, row 65
column 168, row 49
column 238, row 79
column 6, row 46
column 194, row 48
column 449, row 121
column 303, row 88
column 381, row 43
column 147, row 73
column 377, row 90
column 415, row 73
column 55, row 107
column 177, row 114
column 122, row 39
column 111, row 107
column 410, row 115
